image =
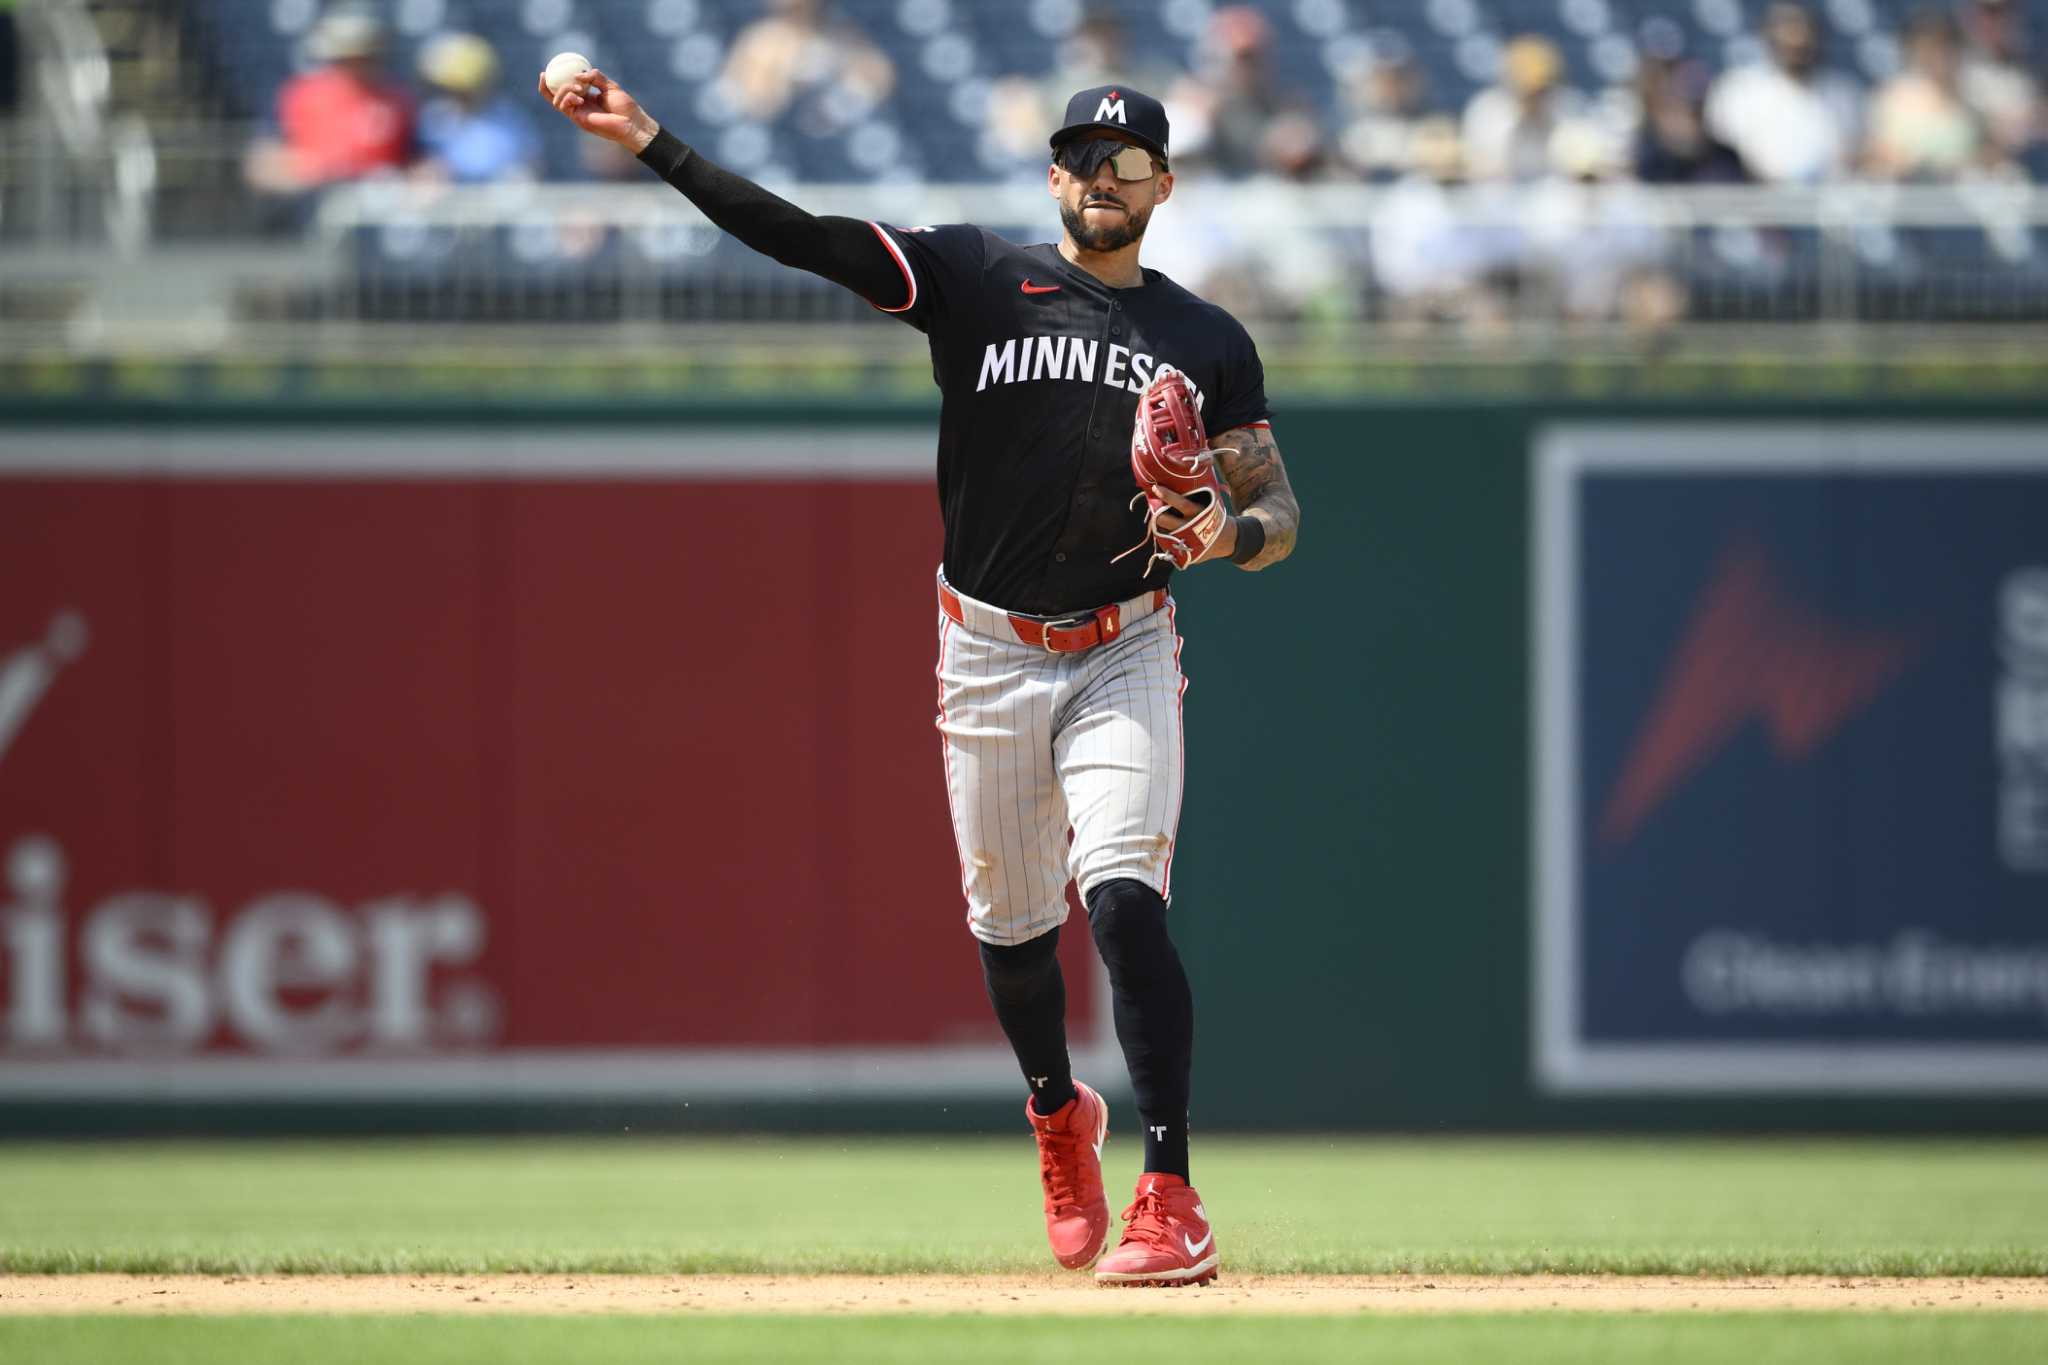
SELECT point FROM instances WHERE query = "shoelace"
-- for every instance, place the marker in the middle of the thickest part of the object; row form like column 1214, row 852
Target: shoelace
column 1147, row 1218
column 1059, row 1167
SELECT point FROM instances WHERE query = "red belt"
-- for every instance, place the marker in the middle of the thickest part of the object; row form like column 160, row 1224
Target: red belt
column 1059, row 637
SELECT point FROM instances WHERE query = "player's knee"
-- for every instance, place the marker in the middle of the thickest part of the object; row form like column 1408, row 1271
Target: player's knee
column 1128, row 919
column 1020, row 971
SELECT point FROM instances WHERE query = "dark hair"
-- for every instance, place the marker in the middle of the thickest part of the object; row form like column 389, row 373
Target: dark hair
column 1928, row 22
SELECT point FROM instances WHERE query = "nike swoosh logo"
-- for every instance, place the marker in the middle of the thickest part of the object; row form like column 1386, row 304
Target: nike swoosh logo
column 1030, row 288
column 1197, row 1248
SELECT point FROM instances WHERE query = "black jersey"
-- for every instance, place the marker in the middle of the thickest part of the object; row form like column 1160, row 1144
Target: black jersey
column 1040, row 366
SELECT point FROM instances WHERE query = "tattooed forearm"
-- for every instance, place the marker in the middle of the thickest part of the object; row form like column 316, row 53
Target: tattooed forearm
column 1249, row 460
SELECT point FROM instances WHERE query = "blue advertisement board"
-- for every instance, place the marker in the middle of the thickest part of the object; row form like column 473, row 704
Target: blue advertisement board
column 1791, row 759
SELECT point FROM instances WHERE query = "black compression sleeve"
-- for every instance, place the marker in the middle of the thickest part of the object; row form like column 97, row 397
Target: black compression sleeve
column 844, row 250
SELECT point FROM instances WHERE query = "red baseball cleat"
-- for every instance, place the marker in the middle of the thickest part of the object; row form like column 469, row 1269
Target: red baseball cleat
column 1070, row 1168
column 1168, row 1241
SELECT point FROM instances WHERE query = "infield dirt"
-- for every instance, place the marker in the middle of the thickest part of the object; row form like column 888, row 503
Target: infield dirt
column 1040, row 1294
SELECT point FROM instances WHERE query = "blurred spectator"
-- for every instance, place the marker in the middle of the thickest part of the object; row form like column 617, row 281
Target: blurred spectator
column 1094, row 53
column 1789, row 121
column 1596, row 243
column 1294, row 148
column 1508, row 127
column 1673, row 146
column 1435, row 261
column 805, row 61
column 1023, row 111
column 1222, row 113
column 341, row 121
column 1273, row 263
column 470, row 133
column 1920, row 128
column 1995, row 79
column 1384, row 98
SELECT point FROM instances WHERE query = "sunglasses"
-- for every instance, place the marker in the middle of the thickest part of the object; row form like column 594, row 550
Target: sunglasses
column 1084, row 157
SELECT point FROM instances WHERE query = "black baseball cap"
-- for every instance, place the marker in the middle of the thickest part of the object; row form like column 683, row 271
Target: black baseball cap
column 1116, row 109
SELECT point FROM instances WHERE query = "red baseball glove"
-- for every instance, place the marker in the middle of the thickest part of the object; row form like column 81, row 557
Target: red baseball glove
column 1169, row 448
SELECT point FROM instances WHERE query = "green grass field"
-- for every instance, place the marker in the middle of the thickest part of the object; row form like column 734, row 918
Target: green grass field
column 1302, row 1205
column 1753, row 1339
column 1714, row 1207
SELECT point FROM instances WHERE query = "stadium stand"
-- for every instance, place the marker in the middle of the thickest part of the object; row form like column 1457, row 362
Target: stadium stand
column 1979, row 254
column 947, row 51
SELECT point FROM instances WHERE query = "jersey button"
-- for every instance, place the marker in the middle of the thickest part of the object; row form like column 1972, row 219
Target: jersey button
column 1061, row 557
column 1095, row 433
column 1116, row 331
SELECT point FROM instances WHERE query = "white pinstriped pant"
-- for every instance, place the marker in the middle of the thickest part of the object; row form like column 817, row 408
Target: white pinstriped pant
column 1037, row 744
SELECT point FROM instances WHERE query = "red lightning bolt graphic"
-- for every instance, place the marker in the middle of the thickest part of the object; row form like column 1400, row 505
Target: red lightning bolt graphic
column 1748, row 651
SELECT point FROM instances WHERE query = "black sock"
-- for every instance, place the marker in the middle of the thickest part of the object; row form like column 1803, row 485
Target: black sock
column 1155, row 1013
column 1030, row 996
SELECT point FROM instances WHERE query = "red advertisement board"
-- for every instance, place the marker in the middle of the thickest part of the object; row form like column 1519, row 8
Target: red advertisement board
column 515, row 765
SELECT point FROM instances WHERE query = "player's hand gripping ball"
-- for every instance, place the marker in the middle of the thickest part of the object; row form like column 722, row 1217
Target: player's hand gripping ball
column 1169, row 448
column 563, row 69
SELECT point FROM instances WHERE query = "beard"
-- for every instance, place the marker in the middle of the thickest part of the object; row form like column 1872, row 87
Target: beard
column 1113, row 237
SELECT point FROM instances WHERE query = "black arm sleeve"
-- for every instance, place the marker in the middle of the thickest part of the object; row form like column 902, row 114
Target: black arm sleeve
column 846, row 251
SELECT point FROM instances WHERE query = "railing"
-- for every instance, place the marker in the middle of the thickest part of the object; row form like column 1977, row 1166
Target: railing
column 1414, row 254
column 1414, row 262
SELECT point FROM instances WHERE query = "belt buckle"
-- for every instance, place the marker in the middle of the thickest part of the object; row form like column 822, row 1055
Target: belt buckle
column 1046, row 629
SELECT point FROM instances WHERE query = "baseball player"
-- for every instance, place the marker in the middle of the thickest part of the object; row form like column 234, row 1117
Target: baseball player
column 1090, row 406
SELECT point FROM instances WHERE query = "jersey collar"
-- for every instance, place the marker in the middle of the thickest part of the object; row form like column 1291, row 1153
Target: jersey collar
column 1075, row 273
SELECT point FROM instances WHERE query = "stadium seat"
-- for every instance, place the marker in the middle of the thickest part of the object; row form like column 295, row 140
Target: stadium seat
column 946, row 51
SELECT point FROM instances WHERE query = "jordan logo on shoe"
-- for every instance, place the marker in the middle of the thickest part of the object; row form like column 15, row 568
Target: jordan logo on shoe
column 1197, row 1248
column 1030, row 288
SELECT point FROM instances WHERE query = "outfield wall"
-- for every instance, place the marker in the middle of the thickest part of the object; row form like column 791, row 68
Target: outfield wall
column 456, row 770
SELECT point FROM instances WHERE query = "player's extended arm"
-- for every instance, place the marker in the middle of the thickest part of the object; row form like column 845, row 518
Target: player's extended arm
column 1249, row 460
column 845, row 251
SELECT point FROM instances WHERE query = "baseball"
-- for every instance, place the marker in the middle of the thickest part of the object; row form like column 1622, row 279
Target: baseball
column 564, row 68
